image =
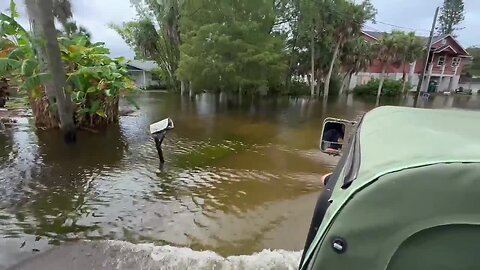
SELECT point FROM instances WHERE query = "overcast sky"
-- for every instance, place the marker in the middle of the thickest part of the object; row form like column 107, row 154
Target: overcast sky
column 95, row 15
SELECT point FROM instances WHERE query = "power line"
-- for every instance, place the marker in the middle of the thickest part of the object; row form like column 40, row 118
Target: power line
column 380, row 22
column 403, row 27
column 371, row 28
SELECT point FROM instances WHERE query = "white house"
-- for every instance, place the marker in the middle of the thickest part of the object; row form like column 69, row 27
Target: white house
column 141, row 73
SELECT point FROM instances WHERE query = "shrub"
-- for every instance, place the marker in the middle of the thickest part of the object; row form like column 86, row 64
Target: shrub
column 298, row 88
column 391, row 88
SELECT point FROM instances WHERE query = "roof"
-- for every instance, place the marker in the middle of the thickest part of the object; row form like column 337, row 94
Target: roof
column 396, row 138
column 143, row 65
column 445, row 48
column 378, row 35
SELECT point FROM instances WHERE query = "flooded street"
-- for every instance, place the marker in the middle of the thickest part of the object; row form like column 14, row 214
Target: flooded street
column 241, row 177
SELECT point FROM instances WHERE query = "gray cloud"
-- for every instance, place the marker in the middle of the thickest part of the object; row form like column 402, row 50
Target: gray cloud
column 96, row 15
column 416, row 14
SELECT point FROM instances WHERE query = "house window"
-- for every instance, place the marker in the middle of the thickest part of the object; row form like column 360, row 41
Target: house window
column 456, row 61
column 444, row 42
column 441, row 60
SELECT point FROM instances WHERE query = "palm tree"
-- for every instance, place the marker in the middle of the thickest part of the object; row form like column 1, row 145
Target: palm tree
column 62, row 11
column 411, row 49
column 347, row 23
column 43, row 26
column 357, row 55
column 72, row 29
column 388, row 53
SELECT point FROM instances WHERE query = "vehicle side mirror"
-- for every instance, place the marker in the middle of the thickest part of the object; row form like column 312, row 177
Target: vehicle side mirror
column 336, row 133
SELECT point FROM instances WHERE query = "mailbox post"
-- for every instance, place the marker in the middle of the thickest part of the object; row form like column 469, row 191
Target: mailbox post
column 159, row 131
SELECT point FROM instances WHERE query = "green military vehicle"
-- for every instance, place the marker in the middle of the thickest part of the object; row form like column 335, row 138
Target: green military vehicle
column 405, row 195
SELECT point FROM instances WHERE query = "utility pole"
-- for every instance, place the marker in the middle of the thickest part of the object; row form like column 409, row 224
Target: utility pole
column 427, row 58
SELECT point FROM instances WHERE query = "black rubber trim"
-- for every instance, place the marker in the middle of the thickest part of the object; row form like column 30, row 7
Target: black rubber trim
column 322, row 205
column 346, row 161
column 356, row 158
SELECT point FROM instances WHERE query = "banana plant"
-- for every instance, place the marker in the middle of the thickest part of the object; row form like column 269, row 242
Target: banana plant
column 93, row 76
column 95, row 81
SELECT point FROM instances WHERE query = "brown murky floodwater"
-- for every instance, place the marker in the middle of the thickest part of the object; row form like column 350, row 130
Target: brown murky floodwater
column 240, row 177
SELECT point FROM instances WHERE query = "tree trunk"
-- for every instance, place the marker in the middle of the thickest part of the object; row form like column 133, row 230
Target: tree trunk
column 344, row 81
column 191, row 93
column 382, row 80
column 404, row 87
column 404, row 77
column 330, row 71
column 182, row 87
column 349, row 82
column 288, row 78
column 312, row 77
column 57, row 71
column 318, row 76
column 45, row 116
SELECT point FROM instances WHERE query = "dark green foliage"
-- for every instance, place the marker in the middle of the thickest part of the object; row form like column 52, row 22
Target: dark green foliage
column 472, row 67
column 335, row 85
column 155, row 35
column 452, row 14
column 298, row 88
column 230, row 47
column 391, row 88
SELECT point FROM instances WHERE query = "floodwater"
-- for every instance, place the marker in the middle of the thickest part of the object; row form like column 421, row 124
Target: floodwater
column 237, row 191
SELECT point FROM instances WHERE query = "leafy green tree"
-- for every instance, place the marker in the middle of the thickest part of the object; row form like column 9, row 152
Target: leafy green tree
column 155, row 34
column 288, row 22
column 325, row 27
column 472, row 67
column 452, row 14
column 314, row 42
column 230, row 47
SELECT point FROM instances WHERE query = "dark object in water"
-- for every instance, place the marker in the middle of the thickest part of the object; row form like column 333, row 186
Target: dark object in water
column 70, row 136
column 4, row 95
column 159, row 131
column 158, row 138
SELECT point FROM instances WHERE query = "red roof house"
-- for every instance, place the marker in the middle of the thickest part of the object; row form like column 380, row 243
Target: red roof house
column 446, row 61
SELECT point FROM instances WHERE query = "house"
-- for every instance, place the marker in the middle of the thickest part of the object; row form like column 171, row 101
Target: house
column 446, row 61
column 142, row 73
